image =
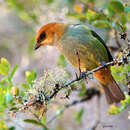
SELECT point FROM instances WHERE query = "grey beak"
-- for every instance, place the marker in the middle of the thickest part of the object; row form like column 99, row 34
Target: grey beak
column 37, row 45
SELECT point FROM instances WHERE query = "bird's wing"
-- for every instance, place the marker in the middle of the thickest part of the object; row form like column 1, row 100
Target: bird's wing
column 95, row 35
column 102, row 41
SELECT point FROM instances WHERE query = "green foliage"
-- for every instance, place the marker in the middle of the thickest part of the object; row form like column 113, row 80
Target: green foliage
column 13, row 72
column 8, row 90
column 123, row 19
column 62, row 61
column 3, row 126
column 30, row 76
column 49, row 1
column 115, row 6
column 102, row 24
column 120, row 73
column 24, row 9
column 82, row 92
column 127, row 9
column 111, row 16
column 92, row 16
column 11, row 128
column 124, row 104
column 4, row 67
column 6, row 85
column 34, row 122
column 79, row 115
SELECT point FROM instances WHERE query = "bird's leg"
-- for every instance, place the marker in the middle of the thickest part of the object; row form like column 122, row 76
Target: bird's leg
column 77, row 53
column 82, row 74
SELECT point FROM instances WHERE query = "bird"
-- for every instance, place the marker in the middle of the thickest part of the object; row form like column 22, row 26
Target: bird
column 91, row 48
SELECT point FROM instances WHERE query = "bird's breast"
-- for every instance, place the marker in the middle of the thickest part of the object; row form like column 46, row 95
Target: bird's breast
column 78, row 54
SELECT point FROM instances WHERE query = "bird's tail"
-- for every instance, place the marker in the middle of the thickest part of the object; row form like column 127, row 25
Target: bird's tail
column 112, row 91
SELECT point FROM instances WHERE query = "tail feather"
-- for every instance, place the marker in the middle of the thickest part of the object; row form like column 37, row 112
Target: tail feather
column 112, row 91
column 108, row 95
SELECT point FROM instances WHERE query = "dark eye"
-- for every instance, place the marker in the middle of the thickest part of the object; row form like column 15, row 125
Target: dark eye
column 43, row 35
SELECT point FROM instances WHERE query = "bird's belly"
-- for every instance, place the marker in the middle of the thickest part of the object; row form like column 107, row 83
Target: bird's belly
column 84, row 62
column 85, row 59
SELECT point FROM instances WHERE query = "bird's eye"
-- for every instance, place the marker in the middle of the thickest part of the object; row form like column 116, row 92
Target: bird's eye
column 43, row 35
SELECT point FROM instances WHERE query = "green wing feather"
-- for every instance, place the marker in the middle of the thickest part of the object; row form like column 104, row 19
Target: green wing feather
column 102, row 41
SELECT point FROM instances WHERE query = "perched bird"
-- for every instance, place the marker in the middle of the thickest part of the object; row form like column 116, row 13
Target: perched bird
column 92, row 51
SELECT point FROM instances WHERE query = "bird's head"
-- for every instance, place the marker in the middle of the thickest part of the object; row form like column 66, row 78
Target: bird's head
column 49, row 34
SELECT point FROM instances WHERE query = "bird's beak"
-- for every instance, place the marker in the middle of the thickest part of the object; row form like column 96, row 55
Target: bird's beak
column 37, row 45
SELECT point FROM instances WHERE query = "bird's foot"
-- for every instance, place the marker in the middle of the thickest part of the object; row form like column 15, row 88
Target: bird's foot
column 83, row 75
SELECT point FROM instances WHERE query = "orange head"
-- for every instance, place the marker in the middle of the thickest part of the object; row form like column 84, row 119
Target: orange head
column 49, row 34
